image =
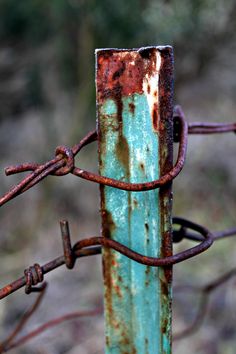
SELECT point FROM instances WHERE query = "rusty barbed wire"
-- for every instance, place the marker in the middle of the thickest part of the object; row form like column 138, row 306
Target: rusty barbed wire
column 35, row 274
column 205, row 291
column 89, row 247
column 62, row 164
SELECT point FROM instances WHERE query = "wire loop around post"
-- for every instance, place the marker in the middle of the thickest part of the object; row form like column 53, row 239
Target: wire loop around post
column 92, row 246
column 139, row 187
column 153, row 261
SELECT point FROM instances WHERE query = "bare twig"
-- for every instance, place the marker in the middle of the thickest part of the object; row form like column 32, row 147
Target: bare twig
column 8, row 342
column 205, row 292
column 50, row 324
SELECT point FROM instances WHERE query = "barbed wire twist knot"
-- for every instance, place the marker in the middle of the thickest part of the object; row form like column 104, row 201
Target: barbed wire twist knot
column 67, row 155
column 33, row 276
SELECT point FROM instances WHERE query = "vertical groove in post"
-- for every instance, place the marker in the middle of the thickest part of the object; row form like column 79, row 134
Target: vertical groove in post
column 134, row 112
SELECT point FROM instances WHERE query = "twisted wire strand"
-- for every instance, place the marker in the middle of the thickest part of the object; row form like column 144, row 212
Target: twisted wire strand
column 63, row 163
column 89, row 247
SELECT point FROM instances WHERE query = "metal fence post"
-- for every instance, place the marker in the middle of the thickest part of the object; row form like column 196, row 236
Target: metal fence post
column 135, row 133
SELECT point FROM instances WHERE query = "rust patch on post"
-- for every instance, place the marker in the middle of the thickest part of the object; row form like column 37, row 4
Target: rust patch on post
column 115, row 73
column 124, row 73
column 132, row 107
column 155, row 117
column 135, row 203
column 164, row 325
column 142, row 167
column 122, row 153
column 108, row 226
column 108, row 281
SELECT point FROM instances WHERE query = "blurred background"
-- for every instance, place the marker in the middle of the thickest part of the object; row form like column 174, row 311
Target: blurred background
column 47, row 98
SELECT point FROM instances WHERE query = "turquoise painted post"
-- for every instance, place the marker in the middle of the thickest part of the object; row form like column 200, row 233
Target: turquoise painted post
column 134, row 113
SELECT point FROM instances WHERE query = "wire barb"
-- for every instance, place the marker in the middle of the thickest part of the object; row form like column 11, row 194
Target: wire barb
column 66, row 156
column 33, row 276
column 65, row 153
column 68, row 251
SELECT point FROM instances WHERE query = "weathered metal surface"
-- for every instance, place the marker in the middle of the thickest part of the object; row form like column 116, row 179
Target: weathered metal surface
column 135, row 133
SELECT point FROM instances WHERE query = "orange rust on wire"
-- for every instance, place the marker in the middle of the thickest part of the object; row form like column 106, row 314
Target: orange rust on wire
column 39, row 172
column 83, row 248
column 80, row 250
column 68, row 251
column 56, row 167
column 153, row 261
column 63, row 162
